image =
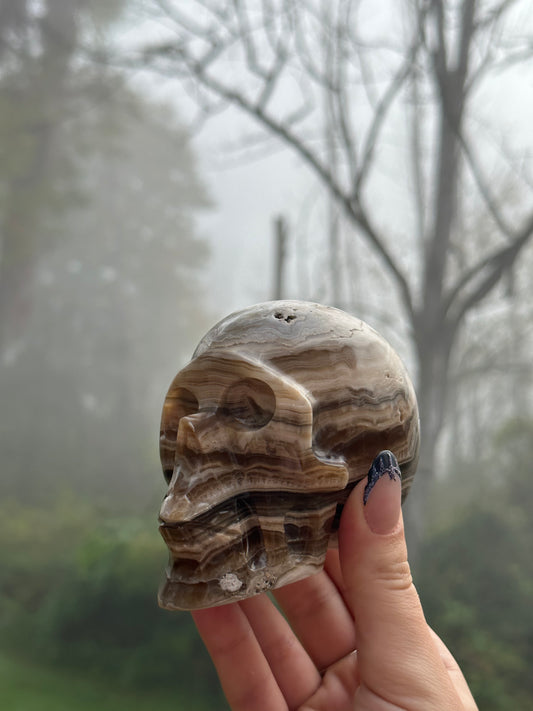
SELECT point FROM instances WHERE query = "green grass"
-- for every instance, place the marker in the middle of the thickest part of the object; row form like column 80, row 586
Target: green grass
column 27, row 687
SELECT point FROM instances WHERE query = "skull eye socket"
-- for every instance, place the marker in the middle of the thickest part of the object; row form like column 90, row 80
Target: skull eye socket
column 186, row 402
column 249, row 402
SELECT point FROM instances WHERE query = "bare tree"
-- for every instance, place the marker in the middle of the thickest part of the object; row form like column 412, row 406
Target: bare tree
column 40, row 81
column 266, row 58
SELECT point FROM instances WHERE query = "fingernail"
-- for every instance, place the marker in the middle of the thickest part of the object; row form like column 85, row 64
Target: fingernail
column 382, row 497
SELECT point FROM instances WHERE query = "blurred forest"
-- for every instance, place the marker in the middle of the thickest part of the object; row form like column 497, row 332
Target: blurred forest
column 103, row 297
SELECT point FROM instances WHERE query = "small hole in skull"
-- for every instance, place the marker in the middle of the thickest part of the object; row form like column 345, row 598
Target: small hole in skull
column 249, row 402
column 282, row 317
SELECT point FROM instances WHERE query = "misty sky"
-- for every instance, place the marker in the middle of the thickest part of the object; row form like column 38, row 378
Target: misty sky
column 249, row 189
column 248, row 192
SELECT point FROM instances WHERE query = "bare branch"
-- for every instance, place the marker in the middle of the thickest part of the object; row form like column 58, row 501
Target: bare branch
column 487, row 272
column 467, row 33
column 368, row 79
column 211, row 55
column 306, row 56
column 497, row 56
column 272, row 77
column 382, row 107
column 246, row 37
column 416, row 161
column 283, row 131
column 494, row 14
column 439, row 52
column 482, row 185
column 269, row 20
column 517, row 56
column 362, row 219
column 220, row 14
column 381, row 113
column 518, row 162
column 180, row 19
column 339, row 99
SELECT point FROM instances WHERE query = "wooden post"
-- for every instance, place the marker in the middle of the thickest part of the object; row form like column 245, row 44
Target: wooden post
column 280, row 237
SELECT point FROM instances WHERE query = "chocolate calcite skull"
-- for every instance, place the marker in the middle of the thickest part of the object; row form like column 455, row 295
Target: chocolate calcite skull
column 265, row 432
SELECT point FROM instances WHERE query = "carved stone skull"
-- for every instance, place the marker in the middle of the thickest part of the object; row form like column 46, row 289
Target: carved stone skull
column 280, row 412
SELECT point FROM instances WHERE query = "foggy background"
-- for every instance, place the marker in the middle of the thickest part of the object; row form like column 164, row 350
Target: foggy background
column 147, row 149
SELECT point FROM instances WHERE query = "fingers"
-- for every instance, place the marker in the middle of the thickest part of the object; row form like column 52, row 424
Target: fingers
column 397, row 656
column 261, row 664
column 318, row 615
column 243, row 669
column 293, row 669
column 338, row 688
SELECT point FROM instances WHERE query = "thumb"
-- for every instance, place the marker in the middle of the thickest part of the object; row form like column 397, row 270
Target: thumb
column 397, row 657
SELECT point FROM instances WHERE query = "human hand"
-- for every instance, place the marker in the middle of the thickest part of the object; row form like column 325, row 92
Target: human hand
column 354, row 636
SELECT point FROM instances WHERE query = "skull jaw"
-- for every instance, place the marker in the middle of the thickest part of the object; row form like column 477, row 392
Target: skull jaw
column 232, row 586
column 210, row 567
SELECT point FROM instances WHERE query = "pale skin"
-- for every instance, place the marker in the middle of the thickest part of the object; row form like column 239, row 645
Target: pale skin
column 352, row 637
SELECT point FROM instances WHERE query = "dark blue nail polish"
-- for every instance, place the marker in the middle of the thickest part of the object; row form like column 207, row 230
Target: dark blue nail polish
column 384, row 463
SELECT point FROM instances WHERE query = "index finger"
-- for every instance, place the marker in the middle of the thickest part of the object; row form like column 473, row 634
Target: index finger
column 243, row 669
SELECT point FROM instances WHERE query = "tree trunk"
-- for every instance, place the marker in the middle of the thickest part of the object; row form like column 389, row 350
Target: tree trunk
column 280, row 243
column 434, row 333
column 432, row 390
column 40, row 94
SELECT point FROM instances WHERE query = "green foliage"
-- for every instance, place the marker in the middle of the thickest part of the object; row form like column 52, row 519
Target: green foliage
column 82, row 588
column 36, row 687
column 78, row 589
column 476, row 575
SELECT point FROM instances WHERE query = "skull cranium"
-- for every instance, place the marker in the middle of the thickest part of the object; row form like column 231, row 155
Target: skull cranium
column 263, row 435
